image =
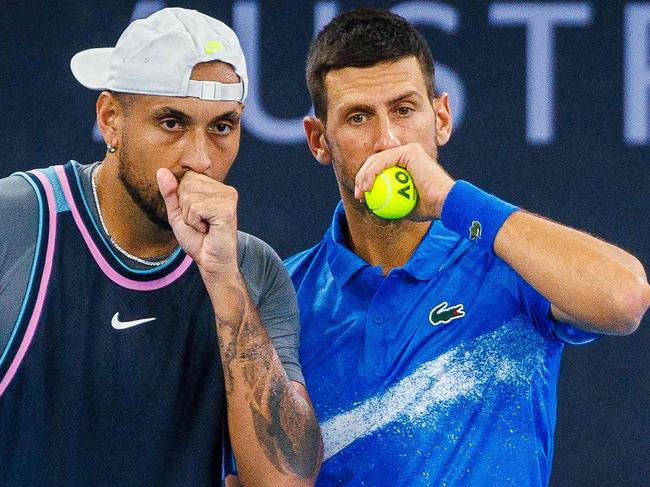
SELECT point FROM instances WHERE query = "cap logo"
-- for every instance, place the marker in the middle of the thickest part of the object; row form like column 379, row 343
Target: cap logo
column 213, row 46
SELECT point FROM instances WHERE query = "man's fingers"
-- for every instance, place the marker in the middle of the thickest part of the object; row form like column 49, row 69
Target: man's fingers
column 193, row 216
column 168, row 186
column 200, row 211
column 374, row 165
column 411, row 157
column 196, row 202
column 193, row 182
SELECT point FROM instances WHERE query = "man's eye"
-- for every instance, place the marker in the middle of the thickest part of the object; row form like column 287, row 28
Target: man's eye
column 222, row 128
column 170, row 124
column 404, row 111
column 358, row 118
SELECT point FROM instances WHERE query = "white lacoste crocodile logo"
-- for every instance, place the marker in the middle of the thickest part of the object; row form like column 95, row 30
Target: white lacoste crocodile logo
column 123, row 325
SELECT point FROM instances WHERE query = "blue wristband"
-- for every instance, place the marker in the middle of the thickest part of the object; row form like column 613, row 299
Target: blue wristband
column 474, row 214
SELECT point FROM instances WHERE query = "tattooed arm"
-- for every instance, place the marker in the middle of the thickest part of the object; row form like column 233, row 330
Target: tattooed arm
column 273, row 429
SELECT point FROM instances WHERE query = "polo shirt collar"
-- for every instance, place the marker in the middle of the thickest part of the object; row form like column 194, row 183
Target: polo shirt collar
column 342, row 261
column 428, row 258
column 433, row 252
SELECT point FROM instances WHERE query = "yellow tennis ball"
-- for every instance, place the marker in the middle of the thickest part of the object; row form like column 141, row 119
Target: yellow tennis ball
column 393, row 194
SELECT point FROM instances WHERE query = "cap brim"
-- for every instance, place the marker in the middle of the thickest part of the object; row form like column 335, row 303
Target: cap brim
column 92, row 66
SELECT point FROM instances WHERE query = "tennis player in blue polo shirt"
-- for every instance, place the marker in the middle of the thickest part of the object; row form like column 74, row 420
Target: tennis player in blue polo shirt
column 431, row 344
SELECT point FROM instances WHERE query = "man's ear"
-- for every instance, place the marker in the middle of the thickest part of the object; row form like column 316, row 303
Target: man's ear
column 443, row 119
column 315, row 131
column 110, row 117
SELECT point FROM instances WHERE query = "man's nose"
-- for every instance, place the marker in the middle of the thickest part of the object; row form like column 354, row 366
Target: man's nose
column 196, row 156
column 387, row 136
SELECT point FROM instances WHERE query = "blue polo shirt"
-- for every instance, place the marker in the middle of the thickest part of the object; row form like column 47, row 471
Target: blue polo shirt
column 442, row 372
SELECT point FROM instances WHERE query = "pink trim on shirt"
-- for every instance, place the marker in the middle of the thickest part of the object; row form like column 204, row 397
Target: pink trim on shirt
column 106, row 268
column 42, row 290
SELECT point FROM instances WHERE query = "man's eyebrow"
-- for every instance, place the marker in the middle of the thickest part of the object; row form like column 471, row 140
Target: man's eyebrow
column 404, row 96
column 230, row 116
column 171, row 112
column 357, row 107
column 363, row 107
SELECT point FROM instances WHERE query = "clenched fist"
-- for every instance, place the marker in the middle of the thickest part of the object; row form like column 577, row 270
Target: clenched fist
column 203, row 215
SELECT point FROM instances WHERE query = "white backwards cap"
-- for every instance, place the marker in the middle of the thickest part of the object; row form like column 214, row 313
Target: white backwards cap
column 156, row 55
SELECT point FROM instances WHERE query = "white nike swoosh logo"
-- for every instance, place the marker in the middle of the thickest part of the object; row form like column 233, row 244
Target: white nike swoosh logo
column 123, row 325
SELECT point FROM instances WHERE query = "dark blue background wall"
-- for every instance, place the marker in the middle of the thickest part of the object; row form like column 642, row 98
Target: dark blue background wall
column 552, row 115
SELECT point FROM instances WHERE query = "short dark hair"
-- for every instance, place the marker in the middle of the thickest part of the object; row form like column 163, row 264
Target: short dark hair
column 363, row 38
column 126, row 100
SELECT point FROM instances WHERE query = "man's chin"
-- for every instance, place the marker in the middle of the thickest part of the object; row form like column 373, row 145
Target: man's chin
column 154, row 213
column 163, row 225
column 160, row 221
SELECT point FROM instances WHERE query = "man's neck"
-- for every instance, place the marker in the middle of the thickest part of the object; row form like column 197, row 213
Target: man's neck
column 379, row 243
column 127, row 224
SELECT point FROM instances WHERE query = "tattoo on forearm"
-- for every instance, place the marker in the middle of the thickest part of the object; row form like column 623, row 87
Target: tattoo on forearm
column 290, row 439
column 229, row 341
column 288, row 433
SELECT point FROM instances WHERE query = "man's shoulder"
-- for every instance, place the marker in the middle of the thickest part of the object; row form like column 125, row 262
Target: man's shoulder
column 259, row 264
column 297, row 263
column 253, row 251
column 15, row 190
column 252, row 244
column 19, row 210
column 465, row 257
column 19, row 204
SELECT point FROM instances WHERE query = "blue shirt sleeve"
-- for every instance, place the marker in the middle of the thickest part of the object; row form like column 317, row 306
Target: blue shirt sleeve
column 540, row 310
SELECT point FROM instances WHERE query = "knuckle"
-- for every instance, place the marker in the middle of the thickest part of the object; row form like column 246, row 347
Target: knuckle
column 184, row 198
column 193, row 211
column 182, row 184
column 231, row 212
column 227, row 212
column 232, row 193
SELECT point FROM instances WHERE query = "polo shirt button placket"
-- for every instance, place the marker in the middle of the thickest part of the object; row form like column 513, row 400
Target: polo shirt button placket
column 371, row 285
column 377, row 318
